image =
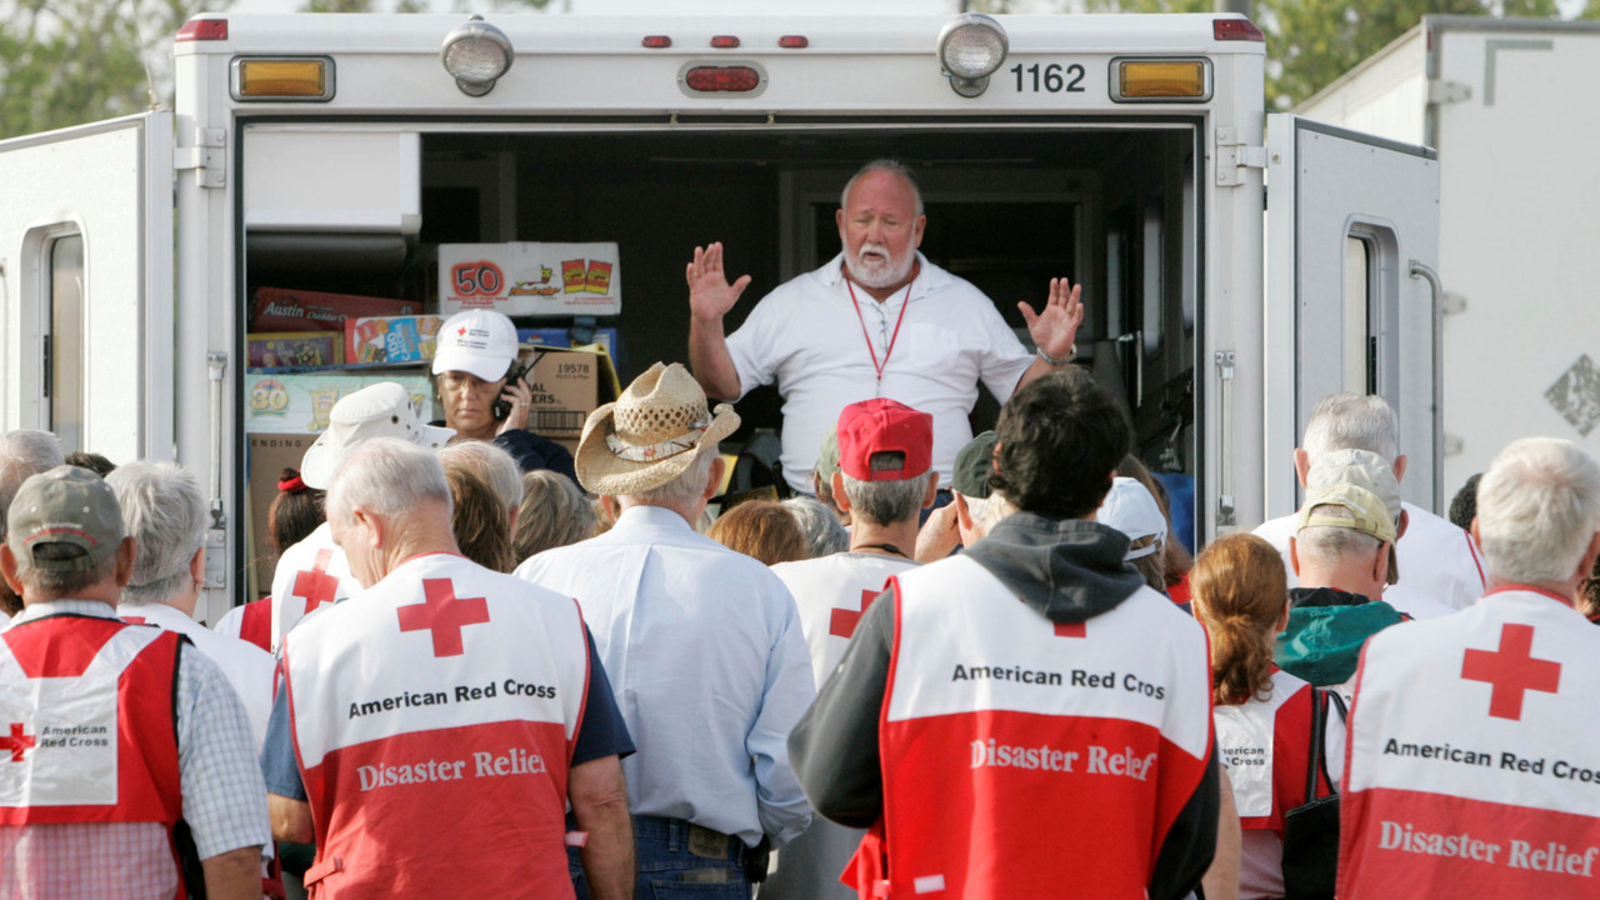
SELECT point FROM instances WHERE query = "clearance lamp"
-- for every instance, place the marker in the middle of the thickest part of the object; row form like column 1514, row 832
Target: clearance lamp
column 477, row 54
column 971, row 47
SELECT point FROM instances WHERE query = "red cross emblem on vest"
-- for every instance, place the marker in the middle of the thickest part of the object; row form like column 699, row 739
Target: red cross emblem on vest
column 843, row 621
column 316, row 586
column 444, row 614
column 1512, row 670
column 18, row 743
column 1072, row 629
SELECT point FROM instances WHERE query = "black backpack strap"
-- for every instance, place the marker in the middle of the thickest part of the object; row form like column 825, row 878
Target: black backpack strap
column 1318, row 712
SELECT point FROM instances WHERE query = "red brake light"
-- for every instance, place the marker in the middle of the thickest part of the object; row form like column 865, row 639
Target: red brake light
column 657, row 41
column 204, row 30
column 723, row 79
column 794, row 42
column 724, row 42
column 1236, row 30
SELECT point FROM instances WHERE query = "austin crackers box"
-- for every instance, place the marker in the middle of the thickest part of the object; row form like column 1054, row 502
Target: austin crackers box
column 277, row 309
column 300, row 403
column 526, row 279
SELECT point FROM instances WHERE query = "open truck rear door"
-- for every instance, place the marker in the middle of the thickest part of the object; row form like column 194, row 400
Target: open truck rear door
column 86, row 291
column 1352, row 294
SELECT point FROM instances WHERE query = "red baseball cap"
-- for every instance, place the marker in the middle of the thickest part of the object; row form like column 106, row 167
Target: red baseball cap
column 882, row 426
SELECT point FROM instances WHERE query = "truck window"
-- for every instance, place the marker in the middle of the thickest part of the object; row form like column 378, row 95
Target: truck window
column 1372, row 313
column 64, row 356
column 1359, row 359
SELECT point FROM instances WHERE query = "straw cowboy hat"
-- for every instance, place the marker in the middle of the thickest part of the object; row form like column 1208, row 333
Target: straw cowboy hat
column 651, row 435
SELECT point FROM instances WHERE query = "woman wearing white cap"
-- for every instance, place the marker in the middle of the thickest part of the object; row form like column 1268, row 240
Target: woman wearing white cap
column 472, row 369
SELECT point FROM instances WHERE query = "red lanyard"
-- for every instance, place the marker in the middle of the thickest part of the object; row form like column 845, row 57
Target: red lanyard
column 895, row 337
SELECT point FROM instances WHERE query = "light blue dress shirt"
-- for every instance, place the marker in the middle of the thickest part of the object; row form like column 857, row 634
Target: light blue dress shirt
column 709, row 666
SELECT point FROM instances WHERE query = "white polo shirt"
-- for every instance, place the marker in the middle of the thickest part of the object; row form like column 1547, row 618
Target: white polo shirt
column 808, row 336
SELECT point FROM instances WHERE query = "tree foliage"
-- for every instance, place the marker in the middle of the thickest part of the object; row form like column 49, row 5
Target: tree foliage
column 1310, row 43
column 67, row 62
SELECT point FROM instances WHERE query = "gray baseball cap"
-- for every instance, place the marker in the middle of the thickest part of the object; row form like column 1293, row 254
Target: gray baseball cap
column 65, row 506
column 974, row 463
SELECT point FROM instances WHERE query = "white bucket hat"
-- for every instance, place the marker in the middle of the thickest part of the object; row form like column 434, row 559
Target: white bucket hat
column 384, row 409
column 480, row 341
column 1130, row 509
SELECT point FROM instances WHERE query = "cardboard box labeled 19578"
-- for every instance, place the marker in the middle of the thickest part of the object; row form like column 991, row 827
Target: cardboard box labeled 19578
column 567, row 385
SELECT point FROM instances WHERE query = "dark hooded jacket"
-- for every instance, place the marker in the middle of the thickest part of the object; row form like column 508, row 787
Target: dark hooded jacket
column 1067, row 570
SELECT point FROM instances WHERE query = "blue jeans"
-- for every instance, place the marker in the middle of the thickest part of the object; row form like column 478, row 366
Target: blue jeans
column 668, row 870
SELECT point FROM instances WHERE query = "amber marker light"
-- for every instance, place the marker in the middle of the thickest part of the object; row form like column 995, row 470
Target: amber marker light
column 1149, row 80
column 303, row 79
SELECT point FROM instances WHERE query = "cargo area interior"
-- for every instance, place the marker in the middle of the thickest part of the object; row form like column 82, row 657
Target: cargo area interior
column 1112, row 205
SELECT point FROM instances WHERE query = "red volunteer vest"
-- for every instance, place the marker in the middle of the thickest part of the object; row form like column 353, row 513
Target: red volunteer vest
column 434, row 722
column 87, row 728
column 313, row 574
column 255, row 623
column 1023, row 725
column 1265, row 745
column 1473, row 764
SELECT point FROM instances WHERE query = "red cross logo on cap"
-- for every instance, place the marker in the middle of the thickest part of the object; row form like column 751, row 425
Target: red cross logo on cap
column 843, row 621
column 1512, row 670
column 462, row 331
column 18, row 743
column 444, row 615
column 316, row 586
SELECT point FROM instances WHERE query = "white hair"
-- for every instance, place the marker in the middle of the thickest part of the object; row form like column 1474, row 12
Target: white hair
column 23, row 453
column 491, row 461
column 1538, row 508
column 825, row 535
column 682, row 492
column 164, row 511
column 893, row 166
column 389, row 476
column 1327, row 545
column 985, row 512
column 1347, row 421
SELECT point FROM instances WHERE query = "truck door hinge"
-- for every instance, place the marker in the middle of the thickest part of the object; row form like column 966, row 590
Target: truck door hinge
column 1450, row 304
column 1234, row 156
column 1442, row 93
column 207, row 157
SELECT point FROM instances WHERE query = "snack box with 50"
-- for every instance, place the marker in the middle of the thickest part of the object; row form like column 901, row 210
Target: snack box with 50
column 528, row 279
column 300, row 404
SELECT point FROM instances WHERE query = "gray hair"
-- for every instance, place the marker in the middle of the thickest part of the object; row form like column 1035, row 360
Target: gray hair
column 893, row 166
column 389, row 476
column 555, row 513
column 886, row 502
column 493, row 463
column 165, row 513
column 24, row 453
column 1347, row 421
column 1326, row 545
column 824, row 533
column 1538, row 508
column 56, row 583
column 682, row 491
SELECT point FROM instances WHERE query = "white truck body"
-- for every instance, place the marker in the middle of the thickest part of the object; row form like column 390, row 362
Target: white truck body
column 1507, row 105
column 1155, row 206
